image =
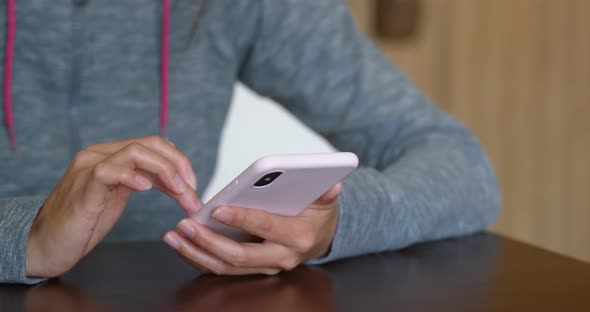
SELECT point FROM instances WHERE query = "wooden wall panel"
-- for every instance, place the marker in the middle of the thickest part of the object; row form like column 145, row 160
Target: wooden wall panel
column 517, row 72
column 421, row 56
column 577, row 163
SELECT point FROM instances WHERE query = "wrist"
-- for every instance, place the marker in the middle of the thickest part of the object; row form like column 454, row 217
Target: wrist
column 331, row 233
column 30, row 265
column 33, row 252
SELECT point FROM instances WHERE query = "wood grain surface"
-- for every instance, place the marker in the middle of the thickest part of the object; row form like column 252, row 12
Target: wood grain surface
column 477, row 273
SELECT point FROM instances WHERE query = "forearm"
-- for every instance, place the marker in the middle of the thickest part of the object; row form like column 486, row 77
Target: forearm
column 441, row 187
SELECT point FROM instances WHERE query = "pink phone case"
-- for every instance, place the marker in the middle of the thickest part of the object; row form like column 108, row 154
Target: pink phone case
column 304, row 178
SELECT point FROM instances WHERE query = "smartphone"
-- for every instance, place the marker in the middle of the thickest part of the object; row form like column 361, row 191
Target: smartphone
column 278, row 184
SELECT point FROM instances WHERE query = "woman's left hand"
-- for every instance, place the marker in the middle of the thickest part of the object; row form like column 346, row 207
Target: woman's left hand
column 287, row 241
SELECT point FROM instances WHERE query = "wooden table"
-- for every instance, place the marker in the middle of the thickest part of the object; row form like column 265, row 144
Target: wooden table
column 484, row 272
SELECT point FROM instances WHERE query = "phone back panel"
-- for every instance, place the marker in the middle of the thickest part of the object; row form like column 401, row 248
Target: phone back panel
column 304, row 178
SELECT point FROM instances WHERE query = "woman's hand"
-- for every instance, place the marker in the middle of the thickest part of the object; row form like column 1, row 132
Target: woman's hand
column 93, row 192
column 288, row 241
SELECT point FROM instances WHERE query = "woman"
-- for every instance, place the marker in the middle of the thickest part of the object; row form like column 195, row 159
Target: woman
column 95, row 71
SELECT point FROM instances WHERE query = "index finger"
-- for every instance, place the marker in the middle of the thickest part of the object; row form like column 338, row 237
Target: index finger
column 286, row 231
column 167, row 149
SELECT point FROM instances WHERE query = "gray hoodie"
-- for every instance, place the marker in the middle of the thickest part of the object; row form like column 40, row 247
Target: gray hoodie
column 89, row 71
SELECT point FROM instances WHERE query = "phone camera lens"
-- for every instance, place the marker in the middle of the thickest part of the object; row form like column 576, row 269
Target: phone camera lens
column 267, row 179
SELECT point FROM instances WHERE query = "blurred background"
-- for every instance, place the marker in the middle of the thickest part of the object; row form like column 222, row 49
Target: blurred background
column 517, row 72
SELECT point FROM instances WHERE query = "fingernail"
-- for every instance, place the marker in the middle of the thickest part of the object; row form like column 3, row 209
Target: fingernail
column 143, row 182
column 223, row 215
column 171, row 241
column 192, row 180
column 170, row 142
column 186, row 228
column 180, row 183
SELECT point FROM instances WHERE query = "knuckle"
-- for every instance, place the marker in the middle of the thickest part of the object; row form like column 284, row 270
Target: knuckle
column 126, row 175
column 80, row 157
column 168, row 168
column 100, row 170
column 92, row 147
column 219, row 269
column 155, row 140
column 289, row 264
column 202, row 269
column 195, row 238
column 254, row 220
column 264, row 223
column 185, row 161
column 306, row 241
column 238, row 258
column 271, row 272
column 240, row 218
column 134, row 148
column 152, row 138
column 96, row 148
column 185, row 252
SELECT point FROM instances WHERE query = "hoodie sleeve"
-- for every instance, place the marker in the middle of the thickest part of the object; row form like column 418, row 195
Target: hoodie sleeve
column 16, row 217
column 423, row 176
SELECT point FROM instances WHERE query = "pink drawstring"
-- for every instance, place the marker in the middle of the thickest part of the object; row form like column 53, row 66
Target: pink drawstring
column 164, row 56
column 8, row 62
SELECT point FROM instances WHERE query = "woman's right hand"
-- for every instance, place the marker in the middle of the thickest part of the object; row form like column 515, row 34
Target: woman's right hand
column 93, row 192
